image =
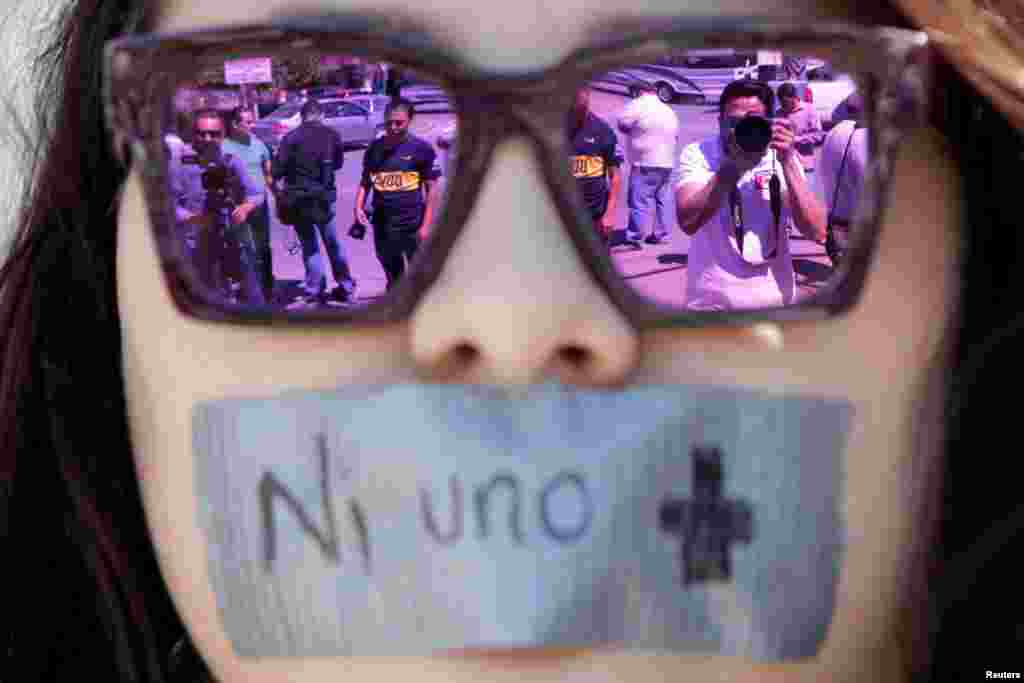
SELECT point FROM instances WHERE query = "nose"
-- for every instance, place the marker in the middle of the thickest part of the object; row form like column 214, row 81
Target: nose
column 513, row 304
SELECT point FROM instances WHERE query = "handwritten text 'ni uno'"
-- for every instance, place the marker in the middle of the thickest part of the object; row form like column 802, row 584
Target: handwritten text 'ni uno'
column 325, row 535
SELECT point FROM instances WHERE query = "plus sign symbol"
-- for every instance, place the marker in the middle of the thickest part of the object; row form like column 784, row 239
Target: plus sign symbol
column 708, row 524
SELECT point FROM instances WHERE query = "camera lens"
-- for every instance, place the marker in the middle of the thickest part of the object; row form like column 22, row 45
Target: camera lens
column 753, row 134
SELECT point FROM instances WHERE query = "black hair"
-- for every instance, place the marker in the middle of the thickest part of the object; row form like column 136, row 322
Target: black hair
column 84, row 598
column 397, row 103
column 787, row 89
column 310, row 109
column 235, row 115
column 747, row 88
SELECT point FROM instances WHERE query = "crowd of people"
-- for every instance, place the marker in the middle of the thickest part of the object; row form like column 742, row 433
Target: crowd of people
column 739, row 195
column 222, row 187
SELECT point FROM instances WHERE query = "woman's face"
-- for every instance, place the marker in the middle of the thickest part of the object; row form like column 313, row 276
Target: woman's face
column 881, row 358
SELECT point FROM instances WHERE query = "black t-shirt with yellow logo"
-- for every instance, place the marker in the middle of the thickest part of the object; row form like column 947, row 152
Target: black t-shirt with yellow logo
column 396, row 174
column 595, row 148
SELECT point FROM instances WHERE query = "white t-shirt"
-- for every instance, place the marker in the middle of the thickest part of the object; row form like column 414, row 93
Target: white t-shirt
column 852, row 180
column 650, row 127
column 716, row 277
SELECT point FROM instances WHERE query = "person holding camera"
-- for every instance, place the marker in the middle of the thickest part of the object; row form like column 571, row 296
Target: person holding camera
column 214, row 199
column 308, row 158
column 737, row 194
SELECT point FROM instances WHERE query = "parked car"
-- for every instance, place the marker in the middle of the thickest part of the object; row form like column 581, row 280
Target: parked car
column 375, row 104
column 354, row 123
column 669, row 86
column 322, row 92
column 426, row 97
column 717, row 58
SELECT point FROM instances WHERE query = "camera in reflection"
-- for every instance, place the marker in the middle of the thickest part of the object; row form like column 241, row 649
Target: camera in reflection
column 753, row 133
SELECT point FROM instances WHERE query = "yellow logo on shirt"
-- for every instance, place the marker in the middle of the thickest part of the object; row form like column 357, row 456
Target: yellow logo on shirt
column 584, row 166
column 396, row 181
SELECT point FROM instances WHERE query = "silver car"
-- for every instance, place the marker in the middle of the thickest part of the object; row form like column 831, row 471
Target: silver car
column 375, row 104
column 669, row 85
column 353, row 122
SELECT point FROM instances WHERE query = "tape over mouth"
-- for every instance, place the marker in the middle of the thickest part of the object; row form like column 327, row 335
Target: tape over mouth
column 420, row 519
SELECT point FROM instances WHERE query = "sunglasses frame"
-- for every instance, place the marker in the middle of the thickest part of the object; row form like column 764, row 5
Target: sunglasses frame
column 892, row 67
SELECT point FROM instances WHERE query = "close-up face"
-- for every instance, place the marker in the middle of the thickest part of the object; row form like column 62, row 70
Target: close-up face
column 208, row 133
column 244, row 121
column 743, row 106
column 515, row 311
column 397, row 122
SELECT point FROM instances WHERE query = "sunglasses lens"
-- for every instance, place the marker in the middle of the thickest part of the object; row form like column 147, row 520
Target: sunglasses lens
column 301, row 243
column 656, row 134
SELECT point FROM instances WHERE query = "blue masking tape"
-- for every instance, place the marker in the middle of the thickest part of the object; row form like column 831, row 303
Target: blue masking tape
column 414, row 519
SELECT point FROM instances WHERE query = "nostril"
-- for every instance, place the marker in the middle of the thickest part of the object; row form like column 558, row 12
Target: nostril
column 575, row 357
column 464, row 354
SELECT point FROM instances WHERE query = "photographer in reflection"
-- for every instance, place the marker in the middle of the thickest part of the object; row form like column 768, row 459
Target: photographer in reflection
column 737, row 195
column 214, row 198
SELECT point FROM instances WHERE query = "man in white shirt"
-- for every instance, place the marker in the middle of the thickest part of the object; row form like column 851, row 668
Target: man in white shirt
column 841, row 171
column 739, row 256
column 651, row 128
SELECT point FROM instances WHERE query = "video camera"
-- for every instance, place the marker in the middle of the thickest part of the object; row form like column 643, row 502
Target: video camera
column 216, row 181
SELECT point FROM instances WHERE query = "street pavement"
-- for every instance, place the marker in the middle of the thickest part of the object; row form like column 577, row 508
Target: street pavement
column 658, row 271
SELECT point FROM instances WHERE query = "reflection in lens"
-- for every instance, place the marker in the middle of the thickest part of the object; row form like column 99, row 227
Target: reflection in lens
column 304, row 181
column 649, row 141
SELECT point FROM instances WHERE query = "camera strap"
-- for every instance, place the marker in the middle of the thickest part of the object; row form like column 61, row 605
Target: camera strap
column 736, row 211
column 839, row 177
column 831, row 247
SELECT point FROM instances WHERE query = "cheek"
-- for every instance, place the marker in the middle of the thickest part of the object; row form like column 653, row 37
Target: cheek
column 888, row 358
column 171, row 363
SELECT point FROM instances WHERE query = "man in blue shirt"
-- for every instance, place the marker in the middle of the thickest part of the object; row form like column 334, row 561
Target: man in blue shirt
column 594, row 162
column 401, row 170
column 255, row 154
column 213, row 200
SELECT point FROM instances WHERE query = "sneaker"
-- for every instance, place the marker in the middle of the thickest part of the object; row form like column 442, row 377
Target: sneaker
column 618, row 239
column 304, row 300
column 340, row 295
column 654, row 239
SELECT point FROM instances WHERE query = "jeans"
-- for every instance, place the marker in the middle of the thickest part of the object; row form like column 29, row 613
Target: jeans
column 648, row 185
column 227, row 252
column 316, row 280
column 259, row 221
column 395, row 250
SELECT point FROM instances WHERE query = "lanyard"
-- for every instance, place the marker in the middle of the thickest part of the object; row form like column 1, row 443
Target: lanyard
column 736, row 211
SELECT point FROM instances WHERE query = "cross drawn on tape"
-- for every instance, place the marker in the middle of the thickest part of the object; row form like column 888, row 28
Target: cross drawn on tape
column 708, row 524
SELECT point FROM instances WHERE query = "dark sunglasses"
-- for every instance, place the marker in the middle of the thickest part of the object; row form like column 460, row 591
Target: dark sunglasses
column 146, row 76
